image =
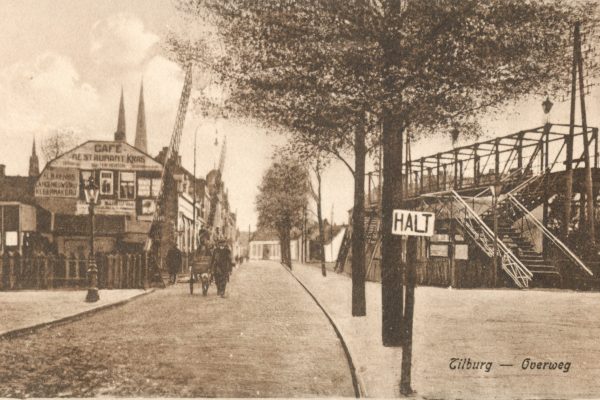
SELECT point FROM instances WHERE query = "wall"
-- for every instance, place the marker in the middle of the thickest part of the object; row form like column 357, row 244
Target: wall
column 332, row 249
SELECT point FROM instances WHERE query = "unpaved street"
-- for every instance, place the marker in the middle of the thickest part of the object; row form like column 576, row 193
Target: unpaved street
column 266, row 338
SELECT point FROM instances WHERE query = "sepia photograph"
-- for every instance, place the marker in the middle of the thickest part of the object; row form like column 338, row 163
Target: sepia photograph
column 300, row 199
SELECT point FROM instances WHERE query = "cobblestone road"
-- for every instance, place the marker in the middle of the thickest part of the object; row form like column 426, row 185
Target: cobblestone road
column 266, row 338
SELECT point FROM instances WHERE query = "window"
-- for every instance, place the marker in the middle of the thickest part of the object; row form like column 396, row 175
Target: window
column 156, row 186
column 106, row 182
column 148, row 187
column 144, row 187
column 127, row 185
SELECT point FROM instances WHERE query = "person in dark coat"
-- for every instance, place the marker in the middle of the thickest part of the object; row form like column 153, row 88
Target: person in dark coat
column 221, row 264
column 173, row 263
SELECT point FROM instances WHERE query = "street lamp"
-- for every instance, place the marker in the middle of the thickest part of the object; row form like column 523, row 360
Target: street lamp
column 547, row 106
column 91, row 191
column 454, row 134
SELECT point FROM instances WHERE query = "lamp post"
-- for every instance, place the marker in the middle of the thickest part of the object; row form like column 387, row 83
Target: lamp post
column 495, row 190
column 547, row 106
column 91, row 191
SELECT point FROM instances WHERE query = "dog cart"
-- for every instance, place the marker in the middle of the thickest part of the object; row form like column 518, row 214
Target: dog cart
column 200, row 271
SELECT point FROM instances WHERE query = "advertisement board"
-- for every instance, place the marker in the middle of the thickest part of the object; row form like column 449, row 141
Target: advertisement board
column 107, row 155
column 58, row 182
column 107, row 207
column 438, row 250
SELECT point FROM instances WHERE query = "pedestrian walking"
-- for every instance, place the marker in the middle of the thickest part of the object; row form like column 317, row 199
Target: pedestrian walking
column 173, row 263
column 221, row 264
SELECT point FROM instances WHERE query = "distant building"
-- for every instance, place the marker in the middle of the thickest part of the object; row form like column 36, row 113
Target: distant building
column 265, row 245
column 20, row 218
column 48, row 211
column 129, row 180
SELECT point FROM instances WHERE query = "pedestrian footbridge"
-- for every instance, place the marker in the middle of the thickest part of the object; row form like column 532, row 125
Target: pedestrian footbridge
column 529, row 198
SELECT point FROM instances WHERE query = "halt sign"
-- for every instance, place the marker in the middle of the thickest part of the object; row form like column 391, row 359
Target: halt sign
column 413, row 223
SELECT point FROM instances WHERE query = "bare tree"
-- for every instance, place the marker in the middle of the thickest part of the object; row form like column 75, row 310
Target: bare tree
column 58, row 142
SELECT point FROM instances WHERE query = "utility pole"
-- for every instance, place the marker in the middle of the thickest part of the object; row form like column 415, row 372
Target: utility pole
column 570, row 137
column 586, row 144
column 194, row 236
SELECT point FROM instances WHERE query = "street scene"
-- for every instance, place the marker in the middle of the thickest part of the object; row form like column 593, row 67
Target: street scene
column 229, row 198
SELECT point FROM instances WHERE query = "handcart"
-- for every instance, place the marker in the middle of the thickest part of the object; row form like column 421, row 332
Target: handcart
column 200, row 271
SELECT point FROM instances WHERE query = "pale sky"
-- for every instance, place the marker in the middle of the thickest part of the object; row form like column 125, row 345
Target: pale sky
column 62, row 65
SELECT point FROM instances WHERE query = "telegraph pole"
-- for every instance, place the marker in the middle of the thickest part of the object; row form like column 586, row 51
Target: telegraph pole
column 586, row 143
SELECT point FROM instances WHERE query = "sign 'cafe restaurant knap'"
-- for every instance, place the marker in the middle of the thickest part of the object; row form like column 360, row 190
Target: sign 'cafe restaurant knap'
column 128, row 180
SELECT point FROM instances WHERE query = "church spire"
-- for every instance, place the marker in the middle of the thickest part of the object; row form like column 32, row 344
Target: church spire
column 120, row 135
column 34, row 164
column 141, row 139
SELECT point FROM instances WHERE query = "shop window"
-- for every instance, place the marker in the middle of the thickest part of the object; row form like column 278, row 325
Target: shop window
column 106, row 183
column 127, row 185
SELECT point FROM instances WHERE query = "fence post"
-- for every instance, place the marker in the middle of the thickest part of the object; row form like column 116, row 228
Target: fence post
column 120, row 266
column 125, row 271
column 110, row 261
column 11, row 266
column 50, row 270
column 67, row 264
column 130, row 261
column 37, row 263
column 116, row 271
column 145, row 269
column 138, row 270
column 44, row 271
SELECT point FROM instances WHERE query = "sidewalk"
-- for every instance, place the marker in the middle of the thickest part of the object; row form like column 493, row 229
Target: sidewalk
column 27, row 308
column 514, row 333
column 378, row 367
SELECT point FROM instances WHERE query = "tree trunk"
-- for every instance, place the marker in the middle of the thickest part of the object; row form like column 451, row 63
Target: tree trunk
column 359, row 307
column 284, row 244
column 391, row 247
column 288, row 250
column 320, row 218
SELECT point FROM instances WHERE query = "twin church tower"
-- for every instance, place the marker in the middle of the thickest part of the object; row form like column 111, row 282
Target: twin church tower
column 141, row 137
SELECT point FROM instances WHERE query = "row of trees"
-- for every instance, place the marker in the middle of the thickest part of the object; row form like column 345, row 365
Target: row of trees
column 344, row 77
column 284, row 196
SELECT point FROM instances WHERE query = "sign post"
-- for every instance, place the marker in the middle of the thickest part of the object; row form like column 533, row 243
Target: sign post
column 412, row 224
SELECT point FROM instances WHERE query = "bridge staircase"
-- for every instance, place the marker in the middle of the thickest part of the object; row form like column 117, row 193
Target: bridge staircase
column 372, row 243
column 483, row 236
column 515, row 208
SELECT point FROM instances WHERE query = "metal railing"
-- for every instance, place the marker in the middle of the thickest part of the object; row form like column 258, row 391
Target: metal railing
column 484, row 237
column 556, row 241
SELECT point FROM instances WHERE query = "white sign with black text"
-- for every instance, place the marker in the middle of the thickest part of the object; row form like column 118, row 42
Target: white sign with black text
column 413, row 223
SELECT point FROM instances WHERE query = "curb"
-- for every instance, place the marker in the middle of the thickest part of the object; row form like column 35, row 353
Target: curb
column 69, row 318
column 360, row 390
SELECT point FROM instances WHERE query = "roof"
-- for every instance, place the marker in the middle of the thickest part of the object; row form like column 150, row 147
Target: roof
column 314, row 232
column 17, row 188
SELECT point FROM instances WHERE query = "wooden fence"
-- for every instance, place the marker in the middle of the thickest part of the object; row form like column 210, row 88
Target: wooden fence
column 47, row 271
